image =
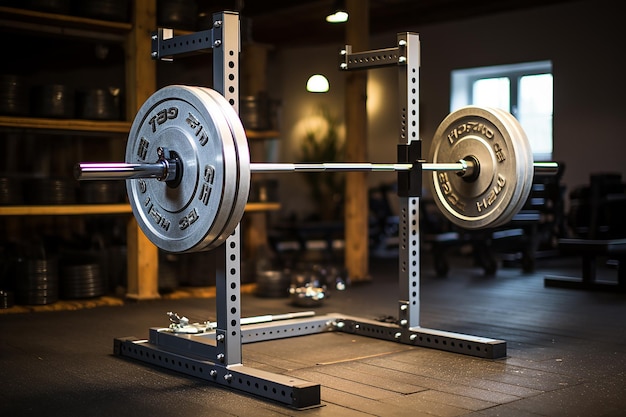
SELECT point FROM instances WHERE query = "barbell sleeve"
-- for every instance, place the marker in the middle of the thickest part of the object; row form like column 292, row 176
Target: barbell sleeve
column 546, row 168
column 118, row 171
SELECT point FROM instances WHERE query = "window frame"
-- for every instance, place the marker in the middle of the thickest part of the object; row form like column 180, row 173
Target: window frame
column 462, row 81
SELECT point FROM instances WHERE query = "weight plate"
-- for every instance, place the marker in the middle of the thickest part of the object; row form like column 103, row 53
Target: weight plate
column 205, row 206
column 526, row 179
column 243, row 158
column 495, row 140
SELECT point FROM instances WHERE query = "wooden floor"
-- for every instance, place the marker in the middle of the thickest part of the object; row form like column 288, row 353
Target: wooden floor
column 566, row 354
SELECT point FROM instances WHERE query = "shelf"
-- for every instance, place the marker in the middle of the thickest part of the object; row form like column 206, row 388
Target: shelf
column 98, row 126
column 85, row 209
column 261, row 134
column 62, row 37
column 76, row 125
column 63, row 25
column 60, row 210
column 262, row 207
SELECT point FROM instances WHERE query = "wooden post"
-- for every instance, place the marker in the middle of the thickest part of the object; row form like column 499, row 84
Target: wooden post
column 253, row 82
column 140, row 68
column 143, row 265
column 143, row 256
column 356, row 198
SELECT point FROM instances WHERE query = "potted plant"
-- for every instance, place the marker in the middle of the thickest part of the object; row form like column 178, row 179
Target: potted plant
column 323, row 144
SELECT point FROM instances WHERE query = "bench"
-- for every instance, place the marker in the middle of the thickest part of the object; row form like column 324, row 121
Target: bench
column 590, row 250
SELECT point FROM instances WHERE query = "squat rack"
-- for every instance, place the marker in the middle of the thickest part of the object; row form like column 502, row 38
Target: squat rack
column 215, row 355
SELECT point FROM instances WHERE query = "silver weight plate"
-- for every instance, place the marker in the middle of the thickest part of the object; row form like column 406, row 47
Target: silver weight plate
column 526, row 180
column 205, row 206
column 242, row 180
column 495, row 140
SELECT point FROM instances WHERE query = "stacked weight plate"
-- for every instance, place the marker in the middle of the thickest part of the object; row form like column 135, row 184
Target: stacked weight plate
column 13, row 95
column 50, row 6
column 10, row 191
column 115, row 10
column 51, row 191
column 37, row 281
column 53, row 100
column 236, row 133
column 200, row 128
column 100, row 192
column 98, row 104
column 81, row 281
column 494, row 140
column 524, row 155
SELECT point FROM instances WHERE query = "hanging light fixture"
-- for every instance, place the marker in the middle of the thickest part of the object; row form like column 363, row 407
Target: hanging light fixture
column 317, row 83
column 339, row 13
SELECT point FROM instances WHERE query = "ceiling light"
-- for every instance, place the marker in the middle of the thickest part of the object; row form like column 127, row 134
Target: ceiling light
column 338, row 14
column 317, row 84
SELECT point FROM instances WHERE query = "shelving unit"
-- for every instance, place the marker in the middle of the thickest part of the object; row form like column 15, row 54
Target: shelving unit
column 140, row 82
column 139, row 75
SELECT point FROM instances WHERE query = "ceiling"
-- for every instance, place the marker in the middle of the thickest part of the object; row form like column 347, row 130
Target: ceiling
column 301, row 22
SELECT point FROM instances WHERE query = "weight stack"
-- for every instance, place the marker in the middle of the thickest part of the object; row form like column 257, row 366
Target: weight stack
column 51, row 191
column 98, row 104
column 100, row 192
column 11, row 191
column 13, row 95
column 255, row 112
column 37, row 281
column 272, row 283
column 6, row 299
column 114, row 10
column 81, row 281
column 53, row 100
column 48, row 6
column 177, row 14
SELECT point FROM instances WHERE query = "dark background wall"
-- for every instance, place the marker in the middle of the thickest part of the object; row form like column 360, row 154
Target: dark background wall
column 584, row 40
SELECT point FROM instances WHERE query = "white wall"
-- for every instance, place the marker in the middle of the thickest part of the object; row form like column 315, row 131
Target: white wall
column 584, row 40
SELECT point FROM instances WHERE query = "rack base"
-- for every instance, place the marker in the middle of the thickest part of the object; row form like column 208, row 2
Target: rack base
column 190, row 353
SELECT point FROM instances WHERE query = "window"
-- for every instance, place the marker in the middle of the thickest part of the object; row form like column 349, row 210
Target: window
column 524, row 90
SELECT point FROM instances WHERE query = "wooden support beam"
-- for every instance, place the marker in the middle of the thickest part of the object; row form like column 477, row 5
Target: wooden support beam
column 143, row 258
column 356, row 199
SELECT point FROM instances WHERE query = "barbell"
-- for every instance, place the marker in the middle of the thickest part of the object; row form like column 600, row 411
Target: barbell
column 187, row 168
